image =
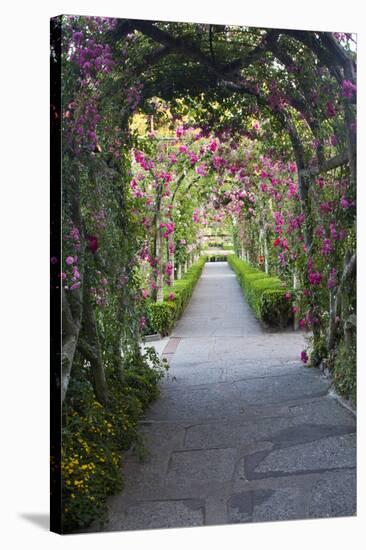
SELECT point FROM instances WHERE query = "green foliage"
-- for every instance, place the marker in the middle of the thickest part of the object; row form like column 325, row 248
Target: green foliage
column 218, row 244
column 94, row 435
column 318, row 347
column 216, row 258
column 239, row 266
column 345, row 372
column 248, row 279
column 274, row 309
column 163, row 315
column 264, row 294
column 97, row 178
column 258, row 288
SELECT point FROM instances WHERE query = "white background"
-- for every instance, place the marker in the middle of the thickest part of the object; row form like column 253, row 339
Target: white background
column 24, row 264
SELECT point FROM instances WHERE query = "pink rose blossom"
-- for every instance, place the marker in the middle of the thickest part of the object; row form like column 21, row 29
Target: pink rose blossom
column 348, row 89
column 75, row 286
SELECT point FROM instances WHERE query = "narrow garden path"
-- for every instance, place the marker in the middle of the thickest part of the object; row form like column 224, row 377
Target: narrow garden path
column 243, row 431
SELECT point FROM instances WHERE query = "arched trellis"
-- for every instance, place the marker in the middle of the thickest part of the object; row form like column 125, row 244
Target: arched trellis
column 220, row 70
column 229, row 73
column 223, row 72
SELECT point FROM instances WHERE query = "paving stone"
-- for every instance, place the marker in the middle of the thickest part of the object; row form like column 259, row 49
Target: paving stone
column 195, row 372
column 304, row 481
column 147, row 476
column 215, row 510
column 305, row 433
column 282, row 388
column 286, row 431
column 281, row 504
column 325, row 410
column 214, row 401
column 334, row 496
column 240, row 507
column 158, row 515
column 141, row 480
column 266, row 505
column 159, row 437
column 172, row 345
column 211, row 464
column 193, row 350
column 253, row 349
column 220, row 371
column 242, row 431
column 329, row 453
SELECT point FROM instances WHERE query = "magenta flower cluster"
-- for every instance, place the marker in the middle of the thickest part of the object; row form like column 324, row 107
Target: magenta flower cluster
column 348, row 89
column 169, row 228
column 90, row 56
column 133, row 96
column 71, row 275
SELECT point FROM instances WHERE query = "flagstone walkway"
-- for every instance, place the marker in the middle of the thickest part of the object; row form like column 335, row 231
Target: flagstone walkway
column 243, row 432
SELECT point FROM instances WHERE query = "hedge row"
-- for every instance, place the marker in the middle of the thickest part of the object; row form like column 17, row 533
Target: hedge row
column 162, row 316
column 266, row 295
column 216, row 258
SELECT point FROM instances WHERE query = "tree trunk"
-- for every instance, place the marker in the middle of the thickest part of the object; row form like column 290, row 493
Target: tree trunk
column 70, row 335
column 350, row 332
column 305, row 183
column 159, row 248
column 260, row 245
column 72, row 300
column 171, row 258
column 295, row 287
column 266, row 259
column 332, row 328
column 340, row 300
column 159, row 281
column 89, row 346
column 350, row 123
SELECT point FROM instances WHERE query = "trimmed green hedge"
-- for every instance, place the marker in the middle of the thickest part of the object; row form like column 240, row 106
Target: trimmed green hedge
column 216, row 257
column 265, row 294
column 162, row 316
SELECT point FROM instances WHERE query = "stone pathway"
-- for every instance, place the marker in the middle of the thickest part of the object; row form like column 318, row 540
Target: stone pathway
column 242, row 432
